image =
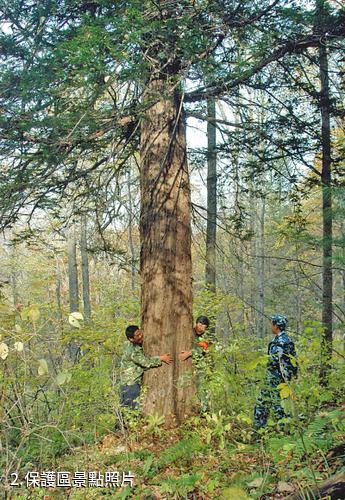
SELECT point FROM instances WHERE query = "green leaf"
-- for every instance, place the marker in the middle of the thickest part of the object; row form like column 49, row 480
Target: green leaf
column 244, row 418
column 309, row 329
column 260, row 361
column 62, row 377
column 148, row 464
column 256, row 483
column 5, row 310
column 293, row 360
column 31, row 313
column 234, row 493
column 284, row 391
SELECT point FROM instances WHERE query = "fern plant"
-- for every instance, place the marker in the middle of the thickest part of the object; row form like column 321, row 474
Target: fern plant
column 180, row 487
column 217, row 429
column 154, row 424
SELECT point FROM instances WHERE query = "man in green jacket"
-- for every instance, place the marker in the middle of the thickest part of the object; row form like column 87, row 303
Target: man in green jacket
column 133, row 364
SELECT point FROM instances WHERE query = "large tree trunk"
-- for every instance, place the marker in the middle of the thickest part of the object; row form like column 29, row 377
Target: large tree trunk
column 166, row 268
column 211, row 231
column 85, row 268
column 327, row 218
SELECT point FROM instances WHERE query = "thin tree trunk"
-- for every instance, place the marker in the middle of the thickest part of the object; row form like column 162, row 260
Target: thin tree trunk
column 73, row 271
column 14, row 285
column 260, row 268
column 72, row 347
column 252, row 259
column 85, row 268
column 211, row 231
column 327, row 219
column 58, row 292
column 166, row 267
column 240, row 285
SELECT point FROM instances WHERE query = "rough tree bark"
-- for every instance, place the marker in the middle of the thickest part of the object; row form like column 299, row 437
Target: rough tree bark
column 166, row 268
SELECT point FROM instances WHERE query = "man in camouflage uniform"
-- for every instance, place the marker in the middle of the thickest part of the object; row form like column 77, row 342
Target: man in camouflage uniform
column 201, row 359
column 280, row 369
column 133, row 364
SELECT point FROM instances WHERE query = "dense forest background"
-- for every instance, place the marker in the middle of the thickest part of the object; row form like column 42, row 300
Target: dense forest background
column 201, row 141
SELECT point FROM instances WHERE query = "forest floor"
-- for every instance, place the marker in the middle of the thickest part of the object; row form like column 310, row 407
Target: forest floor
column 203, row 459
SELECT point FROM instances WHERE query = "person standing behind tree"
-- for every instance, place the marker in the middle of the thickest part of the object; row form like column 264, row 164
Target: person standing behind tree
column 133, row 364
column 281, row 367
column 201, row 359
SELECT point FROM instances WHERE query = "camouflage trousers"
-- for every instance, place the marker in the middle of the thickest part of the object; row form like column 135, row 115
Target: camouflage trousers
column 269, row 399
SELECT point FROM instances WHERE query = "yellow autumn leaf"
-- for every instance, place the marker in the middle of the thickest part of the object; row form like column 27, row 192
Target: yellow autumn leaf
column 77, row 315
column 74, row 319
column 42, row 367
column 3, row 350
column 74, row 322
column 18, row 346
column 284, row 391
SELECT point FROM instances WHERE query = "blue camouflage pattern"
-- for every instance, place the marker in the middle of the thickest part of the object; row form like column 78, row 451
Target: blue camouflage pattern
column 279, row 370
column 280, row 320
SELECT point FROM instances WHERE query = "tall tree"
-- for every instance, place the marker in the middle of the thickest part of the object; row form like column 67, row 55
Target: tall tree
column 260, row 319
column 73, row 289
column 327, row 217
column 85, row 267
column 130, row 228
column 165, row 231
column 73, row 271
column 211, row 229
